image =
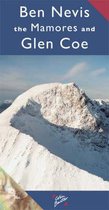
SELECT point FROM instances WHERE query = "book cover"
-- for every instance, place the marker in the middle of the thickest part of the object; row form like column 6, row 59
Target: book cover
column 54, row 104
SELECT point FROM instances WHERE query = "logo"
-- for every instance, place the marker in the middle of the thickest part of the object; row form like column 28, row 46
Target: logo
column 60, row 199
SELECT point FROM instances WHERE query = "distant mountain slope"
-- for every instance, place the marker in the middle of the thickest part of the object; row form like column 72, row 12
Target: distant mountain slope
column 4, row 105
column 54, row 137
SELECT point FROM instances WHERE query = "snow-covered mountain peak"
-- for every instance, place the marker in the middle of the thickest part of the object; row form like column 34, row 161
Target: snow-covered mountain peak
column 50, row 125
column 60, row 104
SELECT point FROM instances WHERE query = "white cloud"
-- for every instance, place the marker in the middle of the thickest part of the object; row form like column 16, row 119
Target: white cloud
column 75, row 71
column 98, row 72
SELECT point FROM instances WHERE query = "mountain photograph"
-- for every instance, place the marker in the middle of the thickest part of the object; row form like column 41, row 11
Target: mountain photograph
column 54, row 128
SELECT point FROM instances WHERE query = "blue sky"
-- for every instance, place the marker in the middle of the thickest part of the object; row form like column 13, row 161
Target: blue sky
column 19, row 73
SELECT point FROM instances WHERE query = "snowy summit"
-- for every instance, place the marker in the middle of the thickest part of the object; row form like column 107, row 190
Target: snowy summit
column 54, row 137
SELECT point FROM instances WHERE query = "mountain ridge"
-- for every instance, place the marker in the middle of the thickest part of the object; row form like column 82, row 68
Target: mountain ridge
column 63, row 122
